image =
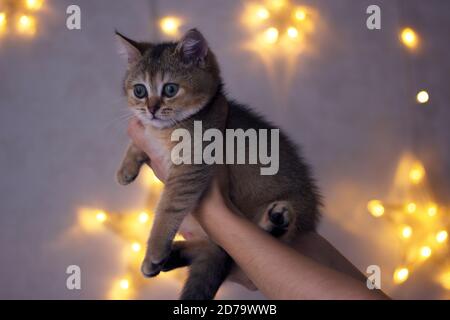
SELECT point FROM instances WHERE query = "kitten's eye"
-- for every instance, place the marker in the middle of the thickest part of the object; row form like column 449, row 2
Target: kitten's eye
column 140, row 91
column 170, row 90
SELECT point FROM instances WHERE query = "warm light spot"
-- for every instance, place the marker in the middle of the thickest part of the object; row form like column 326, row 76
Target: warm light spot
column 300, row 14
column 143, row 217
column 34, row 4
column 101, row 216
column 136, row 247
column 124, row 284
column 169, row 25
column 277, row 4
column 416, row 173
column 406, row 232
column 423, row 97
column 376, row 208
column 292, row 32
column 89, row 219
column 262, row 13
column 26, row 24
column 441, row 236
column 444, row 280
column 432, row 210
column 411, row 207
column 409, row 37
column 271, row 35
column 425, row 252
column 2, row 19
column 401, row 275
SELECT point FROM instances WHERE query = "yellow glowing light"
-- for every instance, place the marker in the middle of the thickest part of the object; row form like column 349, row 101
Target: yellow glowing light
column 401, row 275
column 143, row 217
column 271, row 35
column 170, row 25
column 423, row 97
column 409, row 37
column 417, row 173
column 101, row 216
column 292, row 32
column 26, row 24
column 376, row 208
column 34, row 4
column 124, row 284
column 406, row 232
column 411, row 207
column 136, row 247
column 2, row 19
column 432, row 210
column 277, row 4
column 441, row 236
column 444, row 279
column 300, row 14
column 262, row 13
column 425, row 252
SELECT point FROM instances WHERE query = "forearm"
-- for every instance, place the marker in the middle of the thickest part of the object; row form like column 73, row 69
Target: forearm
column 277, row 270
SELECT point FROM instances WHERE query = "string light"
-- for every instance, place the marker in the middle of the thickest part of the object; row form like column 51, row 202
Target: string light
column 262, row 13
column 170, row 25
column 292, row 32
column 416, row 173
column 133, row 229
column 143, row 217
column 409, row 37
column 444, row 279
column 2, row 19
column 136, row 247
column 271, row 35
column 441, row 236
column 401, row 275
column 406, row 232
column 429, row 233
column 425, row 252
column 423, row 97
column 411, row 207
column 376, row 208
column 124, row 284
column 432, row 210
column 300, row 14
column 101, row 216
column 34, row 4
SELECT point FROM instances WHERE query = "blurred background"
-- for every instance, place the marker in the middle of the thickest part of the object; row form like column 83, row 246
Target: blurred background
column 369, row 107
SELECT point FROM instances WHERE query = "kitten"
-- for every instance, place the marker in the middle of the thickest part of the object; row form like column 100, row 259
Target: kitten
column 169, row 86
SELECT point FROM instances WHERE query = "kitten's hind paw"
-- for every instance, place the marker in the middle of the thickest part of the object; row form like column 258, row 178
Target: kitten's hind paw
column 277, row 218
column 150, row 269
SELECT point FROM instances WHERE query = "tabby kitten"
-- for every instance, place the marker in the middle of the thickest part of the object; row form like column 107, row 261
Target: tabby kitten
column 169, row 86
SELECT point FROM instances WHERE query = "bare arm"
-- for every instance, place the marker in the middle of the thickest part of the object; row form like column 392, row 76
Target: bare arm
column 279, row 271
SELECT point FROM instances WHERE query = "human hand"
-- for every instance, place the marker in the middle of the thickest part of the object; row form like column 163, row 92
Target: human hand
column 136, row 132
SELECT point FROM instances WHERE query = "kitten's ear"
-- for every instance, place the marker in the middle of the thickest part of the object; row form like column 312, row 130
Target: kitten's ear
column 193, row 47
column 128, row 49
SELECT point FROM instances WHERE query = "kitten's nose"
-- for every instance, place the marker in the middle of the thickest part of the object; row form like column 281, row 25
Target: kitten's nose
column 153, row 104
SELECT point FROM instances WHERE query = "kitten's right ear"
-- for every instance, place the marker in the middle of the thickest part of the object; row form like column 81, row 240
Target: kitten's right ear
column 128, row 49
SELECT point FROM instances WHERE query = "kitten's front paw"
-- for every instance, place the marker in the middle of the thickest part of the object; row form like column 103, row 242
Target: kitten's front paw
column 127, row 174
column 153, row 263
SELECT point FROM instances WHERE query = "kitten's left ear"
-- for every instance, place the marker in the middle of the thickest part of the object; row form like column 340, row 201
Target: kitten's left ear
column 128, row 49
column 193, row 47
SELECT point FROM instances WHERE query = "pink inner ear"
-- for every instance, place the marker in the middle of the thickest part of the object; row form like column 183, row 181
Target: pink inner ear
column 126, row 50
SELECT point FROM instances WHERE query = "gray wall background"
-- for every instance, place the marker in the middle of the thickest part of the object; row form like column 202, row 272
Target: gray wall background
column 351, row 106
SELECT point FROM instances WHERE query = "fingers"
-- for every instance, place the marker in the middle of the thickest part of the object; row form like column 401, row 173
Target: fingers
column 135, row 130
